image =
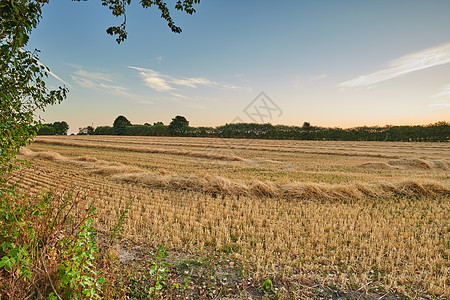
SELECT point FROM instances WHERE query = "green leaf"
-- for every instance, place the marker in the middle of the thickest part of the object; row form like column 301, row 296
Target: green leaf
column 7, row 262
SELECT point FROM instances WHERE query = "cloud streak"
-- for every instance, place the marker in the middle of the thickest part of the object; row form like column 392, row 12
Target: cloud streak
column 41, row 65
column 166, row 83
column 94, row 76
column 444, row 92
column 105, row 83
column 440, row 105
column 413, row 62
column 442, row 97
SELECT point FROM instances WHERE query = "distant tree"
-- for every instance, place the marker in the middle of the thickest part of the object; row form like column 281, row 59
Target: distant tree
column 53, row 128
column 121, row 121
column 61, row 127
column 46, row 129
column 306, row 125
column 119, row 125
column 178, row 126
column 104, row 130
column 89, row 130
column 159, row 129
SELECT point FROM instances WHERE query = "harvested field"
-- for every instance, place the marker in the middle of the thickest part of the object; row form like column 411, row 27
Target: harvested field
column 369, row 216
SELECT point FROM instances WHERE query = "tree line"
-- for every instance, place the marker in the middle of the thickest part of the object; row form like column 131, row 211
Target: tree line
column 56, row 128
column 179, row 126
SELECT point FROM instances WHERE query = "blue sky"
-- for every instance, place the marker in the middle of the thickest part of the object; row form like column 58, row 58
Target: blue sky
column 330, row 63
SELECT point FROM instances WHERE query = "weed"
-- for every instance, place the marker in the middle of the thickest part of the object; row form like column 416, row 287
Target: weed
column 158, row 270
column 267, row 285
column 47, row 247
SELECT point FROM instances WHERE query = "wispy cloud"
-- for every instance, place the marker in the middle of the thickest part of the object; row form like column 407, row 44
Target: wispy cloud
column 442, row 97
column 53, row 74
column 94, row 75
column 440, row 104
column 179, row 95
column 41, row 65
column 165, row 83
column 319, row 77
column 90, row 80
column 406, row 64
column 443, row 93
column 104, row 82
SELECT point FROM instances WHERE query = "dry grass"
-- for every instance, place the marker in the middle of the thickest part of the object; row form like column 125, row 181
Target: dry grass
column 277, row 161
column 140, row 149
column 416, row 163
column 336, row 219
column 254, row 188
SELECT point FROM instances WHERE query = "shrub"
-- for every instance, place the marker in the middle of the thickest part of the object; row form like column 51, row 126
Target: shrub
column 47, row 248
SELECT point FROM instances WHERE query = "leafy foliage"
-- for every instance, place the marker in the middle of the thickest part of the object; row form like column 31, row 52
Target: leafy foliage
column 118, row 8
column 267, row 285
column 47, row 247
column 59, row 128
column 178, row 126
column 119, row 125
column 77, row 273
column 22, row 86
column 121, row 122
column 154, row 281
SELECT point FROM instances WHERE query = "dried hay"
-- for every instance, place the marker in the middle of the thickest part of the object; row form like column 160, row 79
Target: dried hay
column 377, row 166
column 219, row 185
column 412, row 163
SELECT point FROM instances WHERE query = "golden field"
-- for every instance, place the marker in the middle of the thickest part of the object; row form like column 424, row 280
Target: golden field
column 355, row 215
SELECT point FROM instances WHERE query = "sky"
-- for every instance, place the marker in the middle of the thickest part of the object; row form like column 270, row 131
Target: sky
column 326, row 62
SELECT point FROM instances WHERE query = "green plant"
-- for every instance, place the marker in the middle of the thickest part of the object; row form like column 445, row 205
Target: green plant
column 158, row 270
column 267, row 285
column 77, row 272
column 47, row 247
column 151, row 283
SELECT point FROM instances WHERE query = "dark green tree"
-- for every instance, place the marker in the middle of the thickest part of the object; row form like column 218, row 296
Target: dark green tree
column 120, row 124
column 22, row 86
column 178, row 126
column 46, row 129
column 61, row 127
